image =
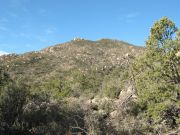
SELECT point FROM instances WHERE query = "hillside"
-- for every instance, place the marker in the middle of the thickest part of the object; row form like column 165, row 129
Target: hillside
column 81, row 78
column 75, row 54
column 91, row 87
column 79, row 55
column 104, row 87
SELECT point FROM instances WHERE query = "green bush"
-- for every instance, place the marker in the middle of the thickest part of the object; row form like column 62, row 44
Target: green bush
column 58, row 87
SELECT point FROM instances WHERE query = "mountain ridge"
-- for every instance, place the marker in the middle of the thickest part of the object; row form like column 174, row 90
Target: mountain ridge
column 79, row 53
column 3, row 53
column 82, row 64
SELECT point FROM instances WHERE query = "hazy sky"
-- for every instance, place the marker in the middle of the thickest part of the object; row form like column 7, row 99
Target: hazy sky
column 27, row 25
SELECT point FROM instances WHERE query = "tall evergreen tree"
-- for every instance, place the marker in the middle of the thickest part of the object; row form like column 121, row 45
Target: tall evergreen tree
column 157, row 71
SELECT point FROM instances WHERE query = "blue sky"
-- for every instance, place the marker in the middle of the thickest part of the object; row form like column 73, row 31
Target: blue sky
column 27, row 25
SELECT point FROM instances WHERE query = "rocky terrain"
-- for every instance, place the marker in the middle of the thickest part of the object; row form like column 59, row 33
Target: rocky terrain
column 79, row 54
column 85, row 87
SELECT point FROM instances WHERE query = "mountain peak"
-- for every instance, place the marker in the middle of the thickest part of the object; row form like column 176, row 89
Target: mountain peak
column 3, row 53
column 79, row 54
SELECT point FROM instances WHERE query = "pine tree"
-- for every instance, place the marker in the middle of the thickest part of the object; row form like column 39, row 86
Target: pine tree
column 157, row 71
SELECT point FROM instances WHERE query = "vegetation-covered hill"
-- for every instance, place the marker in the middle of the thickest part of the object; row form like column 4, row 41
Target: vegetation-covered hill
column 71, row 61
column 79, row 54
column 104, row 87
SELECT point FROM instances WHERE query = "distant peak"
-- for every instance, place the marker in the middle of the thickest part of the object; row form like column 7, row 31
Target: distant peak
column 78, row 39
column 3, row 53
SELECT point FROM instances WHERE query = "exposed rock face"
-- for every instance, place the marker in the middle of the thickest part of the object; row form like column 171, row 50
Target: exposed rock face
column 114, row 114
column 178, row 54
column 125, row 96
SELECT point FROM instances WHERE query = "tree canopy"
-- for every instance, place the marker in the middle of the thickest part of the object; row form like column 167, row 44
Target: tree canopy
column 158, row 70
